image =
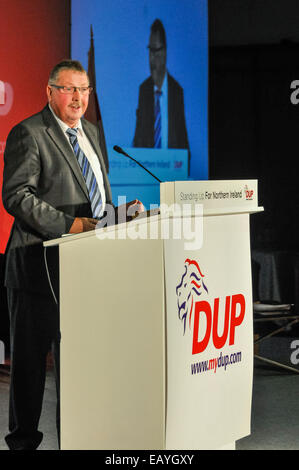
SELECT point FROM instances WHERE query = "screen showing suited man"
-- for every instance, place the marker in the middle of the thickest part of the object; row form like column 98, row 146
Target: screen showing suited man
column 160, row 116
column 122, row 63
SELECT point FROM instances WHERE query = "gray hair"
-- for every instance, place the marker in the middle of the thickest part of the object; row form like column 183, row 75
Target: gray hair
column 67, row 64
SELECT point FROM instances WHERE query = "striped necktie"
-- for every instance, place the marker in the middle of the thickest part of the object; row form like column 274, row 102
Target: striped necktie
column 88, row 174
column 157, row 130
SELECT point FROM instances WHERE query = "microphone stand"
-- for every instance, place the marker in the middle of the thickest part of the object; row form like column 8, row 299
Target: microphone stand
column 120, row 150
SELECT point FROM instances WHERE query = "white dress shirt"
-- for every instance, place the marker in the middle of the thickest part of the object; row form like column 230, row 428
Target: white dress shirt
column 88, row 150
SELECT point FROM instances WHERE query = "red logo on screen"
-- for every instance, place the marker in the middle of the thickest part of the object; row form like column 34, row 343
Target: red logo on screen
column 2, row 92
column 6, row 98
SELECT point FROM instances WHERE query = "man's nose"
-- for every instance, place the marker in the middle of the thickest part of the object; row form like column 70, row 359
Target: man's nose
column 76, row 94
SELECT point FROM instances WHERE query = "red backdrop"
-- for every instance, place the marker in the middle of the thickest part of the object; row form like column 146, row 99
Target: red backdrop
column 34, row 36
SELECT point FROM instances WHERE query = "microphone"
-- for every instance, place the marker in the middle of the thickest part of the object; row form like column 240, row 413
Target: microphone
column 120, row 150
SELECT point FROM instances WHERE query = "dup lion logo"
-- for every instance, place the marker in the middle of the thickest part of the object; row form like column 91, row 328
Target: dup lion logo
column 190, row 287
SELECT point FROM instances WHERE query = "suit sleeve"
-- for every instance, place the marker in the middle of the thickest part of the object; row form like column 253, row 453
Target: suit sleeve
column 22, row 171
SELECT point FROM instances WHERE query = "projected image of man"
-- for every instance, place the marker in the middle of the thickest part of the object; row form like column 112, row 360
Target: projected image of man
column 160, row 117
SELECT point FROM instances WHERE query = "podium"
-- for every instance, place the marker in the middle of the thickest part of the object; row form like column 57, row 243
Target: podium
column 156, row 324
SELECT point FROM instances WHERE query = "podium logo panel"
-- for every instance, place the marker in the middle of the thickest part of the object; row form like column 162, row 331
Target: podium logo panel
column 203, row 316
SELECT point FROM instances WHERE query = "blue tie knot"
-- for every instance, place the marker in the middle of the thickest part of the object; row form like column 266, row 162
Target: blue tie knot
column 72, row 132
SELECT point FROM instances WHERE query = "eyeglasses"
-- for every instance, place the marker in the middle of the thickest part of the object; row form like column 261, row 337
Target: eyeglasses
column 69, row 90
column 155, row 50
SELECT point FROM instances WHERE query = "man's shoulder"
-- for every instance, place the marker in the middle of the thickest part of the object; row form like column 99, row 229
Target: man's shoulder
column 89, row 126
column 147, row 83
column 35, row 120
column 172, row 82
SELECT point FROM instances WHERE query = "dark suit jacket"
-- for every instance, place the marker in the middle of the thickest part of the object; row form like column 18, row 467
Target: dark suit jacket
column 44, row 190
column 144, row 132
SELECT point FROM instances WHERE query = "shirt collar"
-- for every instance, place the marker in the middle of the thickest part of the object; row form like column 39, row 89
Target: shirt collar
column 63, row 125
column 164, row 87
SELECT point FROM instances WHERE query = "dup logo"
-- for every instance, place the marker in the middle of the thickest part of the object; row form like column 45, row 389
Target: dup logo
column 192, row 307
column 6, row 98
column 248, row 193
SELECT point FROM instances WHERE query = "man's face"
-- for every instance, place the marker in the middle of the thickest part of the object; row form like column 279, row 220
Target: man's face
column 157, row 59
column 69, row 107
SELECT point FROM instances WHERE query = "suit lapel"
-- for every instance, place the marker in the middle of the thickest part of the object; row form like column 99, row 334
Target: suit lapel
column 91, row 133
column 56, row 134
column 92, row 137
column 171, row 112
column 150, row 111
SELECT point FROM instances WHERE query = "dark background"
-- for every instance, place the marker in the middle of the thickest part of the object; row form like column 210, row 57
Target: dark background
column 253, row 126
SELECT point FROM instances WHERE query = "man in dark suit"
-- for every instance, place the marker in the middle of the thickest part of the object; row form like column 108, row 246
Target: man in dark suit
column 49, row 195
column 163, row 87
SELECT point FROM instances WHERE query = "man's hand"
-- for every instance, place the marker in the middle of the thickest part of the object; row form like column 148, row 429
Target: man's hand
column 134, row 208
column 83, row 224
column 129, row 211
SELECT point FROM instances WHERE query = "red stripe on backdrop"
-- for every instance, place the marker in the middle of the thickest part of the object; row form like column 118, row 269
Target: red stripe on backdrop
column 34, row 36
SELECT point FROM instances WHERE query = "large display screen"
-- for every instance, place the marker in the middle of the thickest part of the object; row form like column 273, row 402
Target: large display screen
column 140, row 47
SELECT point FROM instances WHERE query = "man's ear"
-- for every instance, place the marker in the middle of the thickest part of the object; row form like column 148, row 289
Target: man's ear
column 49, row 92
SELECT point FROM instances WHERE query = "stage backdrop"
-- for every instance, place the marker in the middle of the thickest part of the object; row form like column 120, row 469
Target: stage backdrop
column 121, row 35
column 34, row 36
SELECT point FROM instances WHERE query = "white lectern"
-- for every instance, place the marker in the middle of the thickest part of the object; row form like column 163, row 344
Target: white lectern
column 156, row 324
